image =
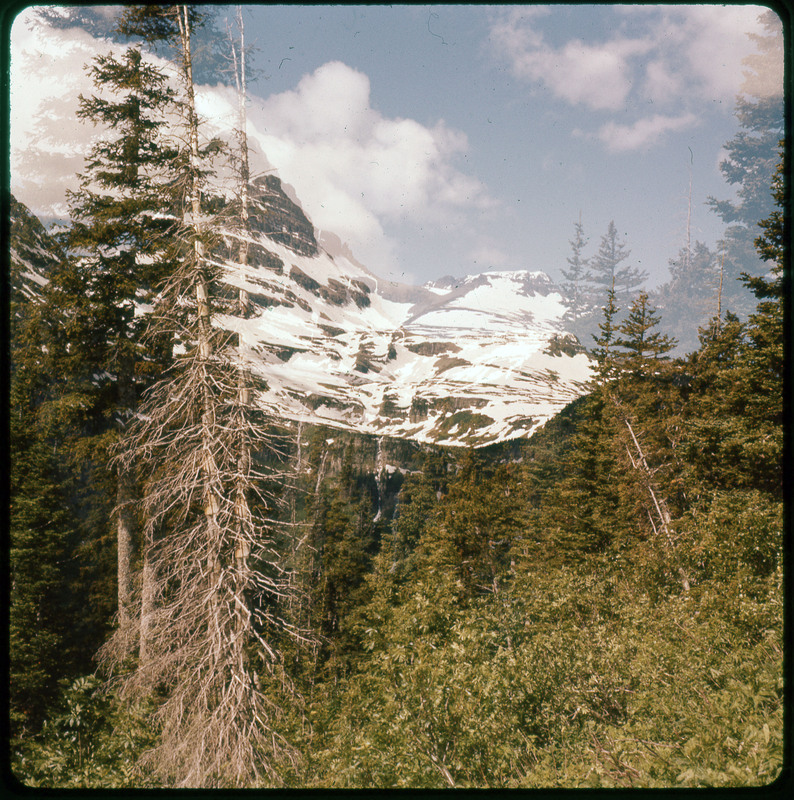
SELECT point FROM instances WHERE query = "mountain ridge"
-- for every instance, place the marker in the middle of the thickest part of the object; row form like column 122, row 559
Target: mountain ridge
column 467, row 362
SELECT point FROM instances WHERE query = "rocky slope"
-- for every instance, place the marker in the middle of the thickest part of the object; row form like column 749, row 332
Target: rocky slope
column 467, row 361
column 32, row 253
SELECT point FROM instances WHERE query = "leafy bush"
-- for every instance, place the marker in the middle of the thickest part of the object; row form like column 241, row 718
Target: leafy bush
column 93, row 741
column 567, row 679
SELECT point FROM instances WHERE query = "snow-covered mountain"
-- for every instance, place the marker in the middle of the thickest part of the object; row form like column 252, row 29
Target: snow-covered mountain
column 33, row 253
column 467, row 361
column 458, row 361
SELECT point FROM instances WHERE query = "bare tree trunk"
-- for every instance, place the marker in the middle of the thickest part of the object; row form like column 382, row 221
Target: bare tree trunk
column 244, row 171
column 125, row 537
column 125, row 638
column 243, row 511
column 211, row 480
column 148, row 594
column 659, row 503
column 205, row 609
column 125, row 524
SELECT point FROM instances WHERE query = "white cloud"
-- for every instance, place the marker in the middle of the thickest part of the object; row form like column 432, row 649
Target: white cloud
column 47, row 140
column 595, row 75
column 704, row 46
column 662, row 84
column 679, row 59
column 355, row 170
column 643, row 133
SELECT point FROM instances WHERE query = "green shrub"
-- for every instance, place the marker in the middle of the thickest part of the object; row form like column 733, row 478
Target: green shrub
column 93, row 741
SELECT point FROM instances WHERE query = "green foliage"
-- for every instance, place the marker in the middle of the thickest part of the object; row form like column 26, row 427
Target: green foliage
column 735, row 428
column 691, row 296
column 157, row 24
column 53, row 626
column 416, row 507
column 341, row 533
column 600, row 606
column 119, row 230
column 472, row 532
column 607, row 340
column 739, row 537
column 577, row 514
column 78, row 363
column 568, row 680
column 462, row 422
column 43, row 577
column 639, row 339
column 93, row 739
column 591, row 661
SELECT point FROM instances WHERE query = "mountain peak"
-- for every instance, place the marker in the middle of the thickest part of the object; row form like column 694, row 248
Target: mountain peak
column 459, row 361
column 274, row 214
column 464, row 361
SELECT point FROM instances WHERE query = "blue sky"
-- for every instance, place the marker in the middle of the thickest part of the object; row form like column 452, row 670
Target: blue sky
column 453, row 139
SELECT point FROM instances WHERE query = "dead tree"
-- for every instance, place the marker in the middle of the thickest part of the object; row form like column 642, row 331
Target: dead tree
column 659, row 513
column 213, row 581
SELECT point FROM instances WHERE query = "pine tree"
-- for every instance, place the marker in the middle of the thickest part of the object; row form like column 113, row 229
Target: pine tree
column 472, row 535
column 735, row 436
column 621, row 472
column 642, row 344
column 646, row 405
column 46, row 633
column 416, row 507
column 607, row 270
column 604, row 351
column 43, row 645
column 342, row 535
column 751, row 162
column 212, row 574
column 691, row 296
column 121, row 219
column 764, row 353
column 580, row 513
column 714, row 445
column 575, row 286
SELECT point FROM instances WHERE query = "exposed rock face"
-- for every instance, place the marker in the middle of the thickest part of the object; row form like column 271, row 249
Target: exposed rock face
column 433, row 348
column 477, row 361
column 273, row 214
column 463, row 361
column 33, row 252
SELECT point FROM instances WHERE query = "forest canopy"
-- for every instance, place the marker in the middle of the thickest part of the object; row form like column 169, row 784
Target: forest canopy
column 205, row 595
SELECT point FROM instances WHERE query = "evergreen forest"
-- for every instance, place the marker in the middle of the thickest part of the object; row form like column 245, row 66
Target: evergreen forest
column 204, row 596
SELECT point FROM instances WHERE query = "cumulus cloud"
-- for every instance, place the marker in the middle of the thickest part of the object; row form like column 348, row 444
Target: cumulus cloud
column 47, row 140
column 705, row 47
column 354, row 170
column 597, row 76
column 674, row 58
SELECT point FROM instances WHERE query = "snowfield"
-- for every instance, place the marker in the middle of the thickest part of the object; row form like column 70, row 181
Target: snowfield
column 459, row 362
column 467, row 361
